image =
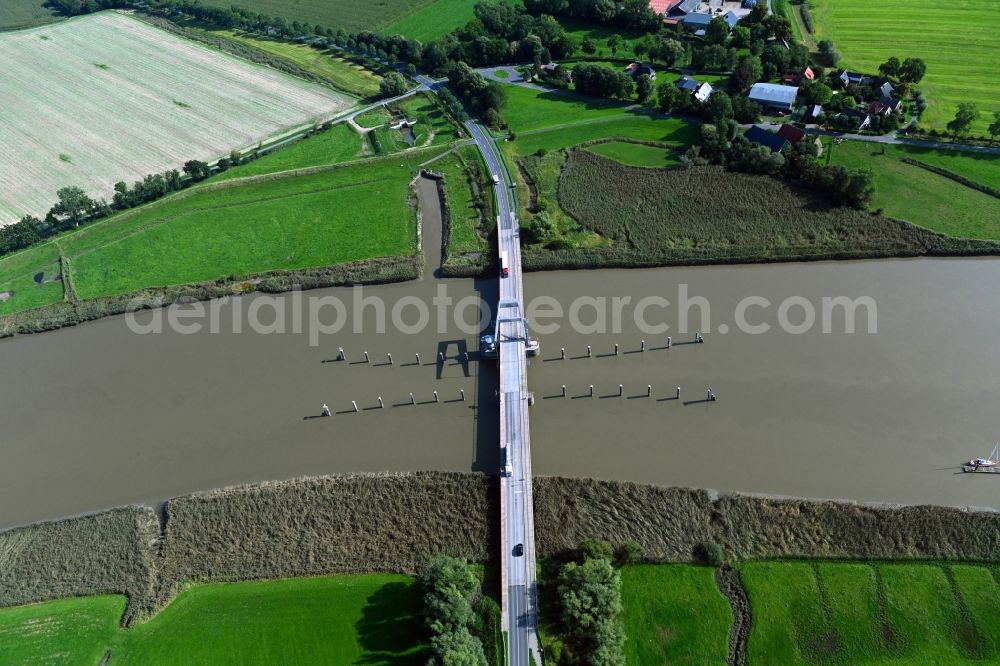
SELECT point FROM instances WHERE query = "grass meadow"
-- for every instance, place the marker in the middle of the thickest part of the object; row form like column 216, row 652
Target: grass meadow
column 370, row 619
column 67, row 631
column 852, row 613
column 338, row 144
column 154, row 101
column 914, row 194
column 637, row 154
column 957, row 40
column 328, row 215
column 433, row 19
column 351, row 15
column 341, row 72
column 466, row 219
column 18, row 14
column 17, row 279
column 674, row 614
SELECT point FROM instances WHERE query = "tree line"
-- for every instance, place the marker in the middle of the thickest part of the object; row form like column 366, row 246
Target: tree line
column 724, row 143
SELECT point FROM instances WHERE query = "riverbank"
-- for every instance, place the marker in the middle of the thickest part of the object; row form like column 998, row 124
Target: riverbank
column 396, row 522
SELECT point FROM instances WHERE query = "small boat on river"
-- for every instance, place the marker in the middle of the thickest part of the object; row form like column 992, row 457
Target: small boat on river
column 989, row 464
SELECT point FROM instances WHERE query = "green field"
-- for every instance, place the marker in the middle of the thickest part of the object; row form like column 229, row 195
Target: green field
column 432, row 19
column 371, row 619
column 17, row 279
column 344, row 74
column 835, row 613
column 910, row 193
column 67, row 631
column 351, row 15
column 374, row 118
column 637, row 154
column 674, row 614
column 361, row 619
column 465, row 217
column 338, row 144
column 291, row 220
column 957, row 40
column 17, row 14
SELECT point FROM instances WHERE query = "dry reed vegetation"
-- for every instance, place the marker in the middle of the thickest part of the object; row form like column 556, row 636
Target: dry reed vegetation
column 363, row 523
column 110, row 552
column 342, row 524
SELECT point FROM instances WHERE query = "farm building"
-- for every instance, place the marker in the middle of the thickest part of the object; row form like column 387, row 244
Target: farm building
column 687, row 83
column 763, row 137
column 696, row 21
column 774, row 97
column 703, row 92
column 886, row 90
column 731, row 18
column 894, row 104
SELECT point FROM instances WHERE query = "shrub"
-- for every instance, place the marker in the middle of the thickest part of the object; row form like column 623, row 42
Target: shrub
column 710, row 553
column 595, row 549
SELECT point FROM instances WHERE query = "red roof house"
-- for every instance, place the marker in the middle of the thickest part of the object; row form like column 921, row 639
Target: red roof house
column 791, row 133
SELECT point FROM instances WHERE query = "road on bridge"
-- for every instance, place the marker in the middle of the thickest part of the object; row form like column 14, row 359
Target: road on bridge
column 518, row 524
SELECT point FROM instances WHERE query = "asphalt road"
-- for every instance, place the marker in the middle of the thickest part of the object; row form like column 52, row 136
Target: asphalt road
column 521, row 616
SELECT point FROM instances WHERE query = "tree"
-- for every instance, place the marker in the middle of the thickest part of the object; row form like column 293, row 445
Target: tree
column 912, row 70
column 747, row 72
column 72, row 207
column 890, row 67
column 629, row 552
column 819, row 93
column 967, row 114
column 613, row 42
column 829, row 52
column 666, row 49
column 719, row 107
column 994, row 128
column 740, row 37
column 393, row 85
column 590, row 604
column 196, row 170
column 643, row 89
column 718, row 31
column 672, row 98
column 745, row 110
column 589, row 46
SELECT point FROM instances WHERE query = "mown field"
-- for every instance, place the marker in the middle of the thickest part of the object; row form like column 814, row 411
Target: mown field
column 674, row 614
column 144, row 100
column 351, row 15
column 957, row 40
column 373, row 619
column 231, row 227
column 911, row 193
column 708, row 211
column 432, row 19
column 348, row 76
column 18, row 14
column 845, row 613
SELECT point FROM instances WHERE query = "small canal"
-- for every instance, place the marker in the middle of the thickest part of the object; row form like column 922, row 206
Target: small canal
column 98, row 416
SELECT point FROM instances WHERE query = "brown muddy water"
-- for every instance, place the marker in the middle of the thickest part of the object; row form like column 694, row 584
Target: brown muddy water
column 98, row 416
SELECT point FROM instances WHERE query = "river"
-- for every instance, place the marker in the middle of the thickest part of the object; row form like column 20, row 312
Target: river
column 98, row 416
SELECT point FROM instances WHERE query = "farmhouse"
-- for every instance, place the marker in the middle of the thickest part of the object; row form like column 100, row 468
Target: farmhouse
column 637, row 69
column 848, row 77
column 731, row 18
column 806, row 74
column 703, row 92
column 886, row 90
column 774, row 97
column 763, row 137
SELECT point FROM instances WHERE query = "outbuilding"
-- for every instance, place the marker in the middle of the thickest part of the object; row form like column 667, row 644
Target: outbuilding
column 774, row 97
